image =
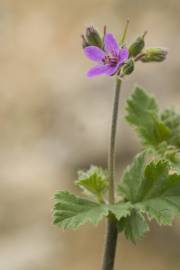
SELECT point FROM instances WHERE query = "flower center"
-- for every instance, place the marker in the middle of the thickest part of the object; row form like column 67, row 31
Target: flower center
column 110, row 60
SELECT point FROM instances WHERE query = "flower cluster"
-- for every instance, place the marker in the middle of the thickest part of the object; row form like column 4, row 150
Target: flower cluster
column 116, row 59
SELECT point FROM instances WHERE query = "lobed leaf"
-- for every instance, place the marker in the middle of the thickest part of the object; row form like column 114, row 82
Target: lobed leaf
column 172, row 120
column 153, row 189
column 93, row 181
column 169, row 153
column 71, row 211
column 132, row 179
column 134, row 226
column 120, row 210
column 142, row 113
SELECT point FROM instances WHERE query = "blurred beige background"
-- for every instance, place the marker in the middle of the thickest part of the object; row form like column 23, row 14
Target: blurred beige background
column 53, row 121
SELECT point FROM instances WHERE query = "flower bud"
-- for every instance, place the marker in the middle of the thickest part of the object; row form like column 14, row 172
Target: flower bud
column 154, row 55
column 137, row 46
column 128, row 67
column 93, row 37
column 84, row 42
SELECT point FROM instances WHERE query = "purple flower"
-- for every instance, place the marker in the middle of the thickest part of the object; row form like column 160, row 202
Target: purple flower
column 109, row 60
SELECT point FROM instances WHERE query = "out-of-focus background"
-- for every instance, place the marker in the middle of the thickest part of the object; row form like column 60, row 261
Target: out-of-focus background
column 53, row 121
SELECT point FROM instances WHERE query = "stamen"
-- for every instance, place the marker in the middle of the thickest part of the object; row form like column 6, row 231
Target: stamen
column 108, row 60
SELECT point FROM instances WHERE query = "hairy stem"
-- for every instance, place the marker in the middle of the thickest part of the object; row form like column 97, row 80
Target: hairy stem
column 112, row 233
column 111, row 156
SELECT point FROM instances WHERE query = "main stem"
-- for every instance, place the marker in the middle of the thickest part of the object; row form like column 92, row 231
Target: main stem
column 112, row 233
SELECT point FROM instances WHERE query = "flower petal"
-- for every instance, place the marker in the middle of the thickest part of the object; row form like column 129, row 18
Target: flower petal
column 112, row 70
column 123, row 55
column 94, row 53
column 111, row 45
column 98, row 70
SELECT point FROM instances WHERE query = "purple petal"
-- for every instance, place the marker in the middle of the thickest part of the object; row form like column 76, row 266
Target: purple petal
column 98, row 70
column 112, row 70
column 94, row 53
column 111, row 45
column 123, row 55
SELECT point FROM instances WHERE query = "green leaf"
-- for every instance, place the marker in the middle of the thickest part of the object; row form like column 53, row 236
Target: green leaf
column 169, row 153
column 160, row 132
column 71, row 211
column 93, row 181
column 134, row 226
column 155, row 190
column 172, row 120
column 173, row 156
column 163, row 210
column 160, row 198
column 120, row 210
column 132, row 179
column 142, row 113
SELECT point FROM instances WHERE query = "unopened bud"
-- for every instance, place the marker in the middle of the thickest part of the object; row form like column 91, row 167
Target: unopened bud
column 128, row 67
column 137, row 46
column 154, row 55
column 84, row 42
column 93, row 37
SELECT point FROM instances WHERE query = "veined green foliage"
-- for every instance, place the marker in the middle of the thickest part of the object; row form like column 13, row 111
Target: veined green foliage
column 132, row 179
column 134, row 226
column 158, row 131
column 172, row 120
column 142, row 113
column 71, row 211
column 93, row 181
column 154, row 191
column 170, row 153
column 150, row 186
